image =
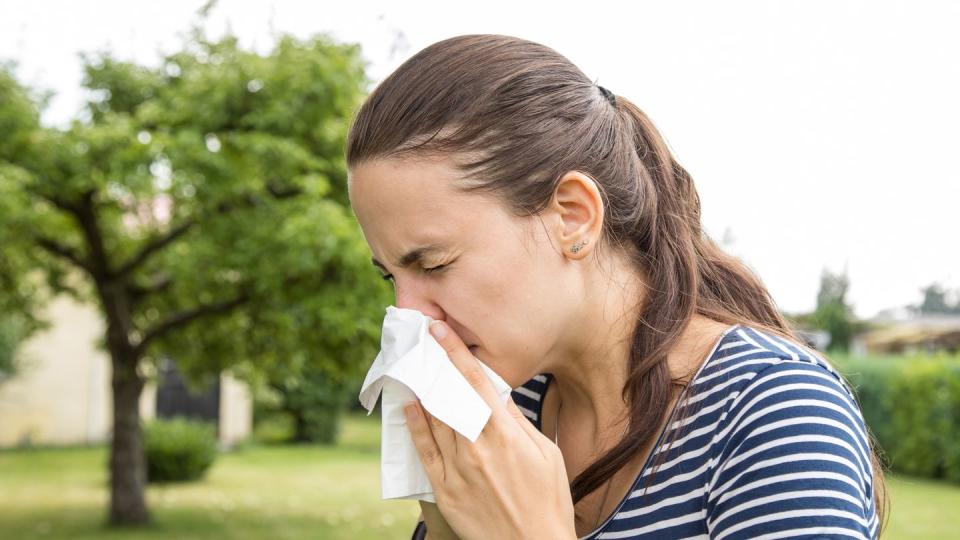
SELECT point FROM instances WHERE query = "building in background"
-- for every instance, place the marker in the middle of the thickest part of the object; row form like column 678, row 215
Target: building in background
column 61, row 393
column 814, row 338
column 920, row 334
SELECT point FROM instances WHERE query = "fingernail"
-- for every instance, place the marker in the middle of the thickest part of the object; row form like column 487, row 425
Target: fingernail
column 438, row 329
column 410, row 409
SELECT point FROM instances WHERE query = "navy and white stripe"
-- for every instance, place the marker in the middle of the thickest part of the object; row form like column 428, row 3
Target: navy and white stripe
column 527, row 397
column 773, row 446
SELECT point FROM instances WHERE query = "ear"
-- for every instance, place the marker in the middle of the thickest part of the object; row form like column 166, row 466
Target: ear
column 579, row 208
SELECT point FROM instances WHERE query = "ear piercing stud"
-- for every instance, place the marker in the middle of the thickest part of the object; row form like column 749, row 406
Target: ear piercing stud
column 576, row 247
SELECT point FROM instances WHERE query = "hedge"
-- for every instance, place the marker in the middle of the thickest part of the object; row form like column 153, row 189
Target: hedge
column 912, row 407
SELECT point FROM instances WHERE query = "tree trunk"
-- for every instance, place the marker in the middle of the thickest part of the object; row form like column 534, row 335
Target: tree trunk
column 128, row 467
column 300, row 434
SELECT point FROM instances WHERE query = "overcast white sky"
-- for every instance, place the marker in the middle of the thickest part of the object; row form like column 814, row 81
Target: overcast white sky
column 819, row 133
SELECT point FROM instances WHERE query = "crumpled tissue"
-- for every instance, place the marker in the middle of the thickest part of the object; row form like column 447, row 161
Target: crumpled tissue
column 412, row 364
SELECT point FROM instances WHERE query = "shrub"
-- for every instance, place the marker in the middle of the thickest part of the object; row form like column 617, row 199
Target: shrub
column 912, row 406
column 179, row 449
column 315, row 402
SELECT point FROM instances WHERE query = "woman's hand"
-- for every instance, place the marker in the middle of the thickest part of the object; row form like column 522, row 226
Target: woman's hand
column 510, row 483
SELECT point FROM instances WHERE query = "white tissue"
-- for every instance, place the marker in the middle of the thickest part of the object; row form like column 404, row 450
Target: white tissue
column 412, row 363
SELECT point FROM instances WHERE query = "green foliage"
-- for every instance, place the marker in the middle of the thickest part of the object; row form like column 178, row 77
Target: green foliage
column 202, row 206
column 912, row 406
column 226, row 168
column 22, row 292
column 833, row 314
column 10, row 336
column 19, row 115
column 314, row 401
column 179, row 450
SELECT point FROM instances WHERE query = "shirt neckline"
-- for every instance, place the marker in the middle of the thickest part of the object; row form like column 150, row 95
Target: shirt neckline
column 663, row 431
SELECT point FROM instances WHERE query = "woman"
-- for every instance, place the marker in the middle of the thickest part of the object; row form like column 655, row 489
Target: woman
column 545, row 223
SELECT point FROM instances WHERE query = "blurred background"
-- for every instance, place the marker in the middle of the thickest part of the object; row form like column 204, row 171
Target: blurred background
column 183, row 286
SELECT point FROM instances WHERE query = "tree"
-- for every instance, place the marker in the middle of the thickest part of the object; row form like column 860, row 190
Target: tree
column 313, row 401
column 936, row 301
column 833, row 314
column 202, row 206
column 20, row 291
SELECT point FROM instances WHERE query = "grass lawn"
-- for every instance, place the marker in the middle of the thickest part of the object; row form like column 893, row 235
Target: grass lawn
column 281, row 492
column 259, row 492
column 922, row 509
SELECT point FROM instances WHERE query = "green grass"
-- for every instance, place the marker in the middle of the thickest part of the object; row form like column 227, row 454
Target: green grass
column 275, row 492
column 922, row 509
column 287, row 492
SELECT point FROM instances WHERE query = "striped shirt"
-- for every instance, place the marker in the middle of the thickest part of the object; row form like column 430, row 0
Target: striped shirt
column 774, row 446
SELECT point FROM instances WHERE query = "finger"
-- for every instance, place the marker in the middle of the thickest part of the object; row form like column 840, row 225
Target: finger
column 426, row 446
column 443, row 434
column 525, row 424
column 467, row 364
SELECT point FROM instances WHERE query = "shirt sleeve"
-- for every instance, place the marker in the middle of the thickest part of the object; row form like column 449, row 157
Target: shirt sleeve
column 792, row 460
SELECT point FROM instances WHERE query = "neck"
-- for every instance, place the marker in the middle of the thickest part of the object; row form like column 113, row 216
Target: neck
column 590, row 364
column 591, row 369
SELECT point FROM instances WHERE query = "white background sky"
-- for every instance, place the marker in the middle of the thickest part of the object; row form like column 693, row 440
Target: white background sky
column 819, row 133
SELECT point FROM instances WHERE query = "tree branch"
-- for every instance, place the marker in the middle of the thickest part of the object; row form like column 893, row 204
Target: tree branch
column 137, row 291
column 179, row 319
column 154, row 246
column 62, row 251
column 87, row 218
column 62, row 204
column 224, row 207
column 282, row 193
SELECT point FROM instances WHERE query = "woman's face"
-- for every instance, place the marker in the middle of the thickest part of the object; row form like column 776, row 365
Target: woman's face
column 498, row 280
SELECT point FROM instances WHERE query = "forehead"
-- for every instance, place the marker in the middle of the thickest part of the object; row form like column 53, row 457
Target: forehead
column 400, row 203
column 393, row 184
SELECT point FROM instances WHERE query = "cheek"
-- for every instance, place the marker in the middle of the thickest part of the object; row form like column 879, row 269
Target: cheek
column 512, row 320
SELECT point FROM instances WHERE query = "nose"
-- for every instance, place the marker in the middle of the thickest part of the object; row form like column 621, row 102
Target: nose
column 411, row 297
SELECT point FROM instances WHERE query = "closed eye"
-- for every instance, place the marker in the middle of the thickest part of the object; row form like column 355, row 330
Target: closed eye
column 434, row 269
column 439, row 268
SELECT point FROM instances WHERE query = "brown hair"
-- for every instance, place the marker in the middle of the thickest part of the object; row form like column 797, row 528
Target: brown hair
column 521, row 115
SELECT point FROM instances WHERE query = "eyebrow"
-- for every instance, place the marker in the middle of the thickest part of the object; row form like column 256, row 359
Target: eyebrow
column 413, row 256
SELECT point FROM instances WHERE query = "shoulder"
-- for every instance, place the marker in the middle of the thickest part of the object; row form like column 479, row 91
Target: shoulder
column 773, row 396
column 763, row 378
column 774, row 376
column 757, row 386
column 748, row 359
column 529, row 397
column 791, row 439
